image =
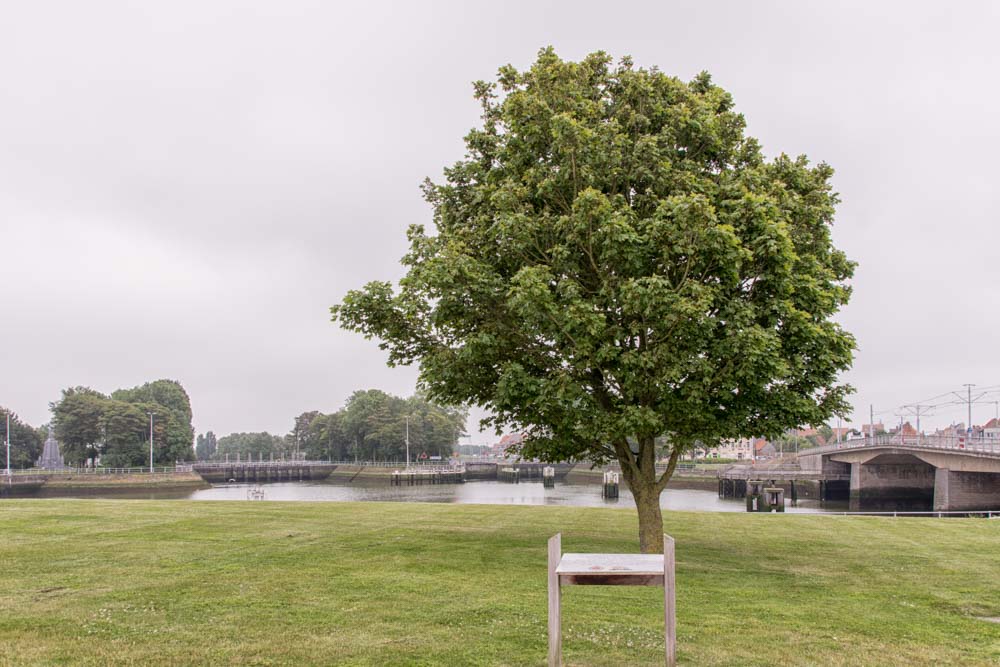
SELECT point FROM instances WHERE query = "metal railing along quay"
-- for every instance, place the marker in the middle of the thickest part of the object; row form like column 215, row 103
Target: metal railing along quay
column 158, row 470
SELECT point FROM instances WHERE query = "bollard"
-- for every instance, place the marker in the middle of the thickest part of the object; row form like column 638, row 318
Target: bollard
column 610, row 486
column 774, row 499
column 755, row 496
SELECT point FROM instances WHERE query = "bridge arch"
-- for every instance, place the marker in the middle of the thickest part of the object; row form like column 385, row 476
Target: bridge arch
column 915, row 476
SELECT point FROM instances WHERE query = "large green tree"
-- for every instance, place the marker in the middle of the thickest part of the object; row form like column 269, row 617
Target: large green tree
column 258, row 446
column 170, row 402
column 616, row 261
column 376, row 424
column 91, row 426
column 79, row 423
column 26, row 442
column 205, row 446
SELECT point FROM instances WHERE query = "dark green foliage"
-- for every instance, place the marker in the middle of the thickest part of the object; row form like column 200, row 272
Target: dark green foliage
column 377, row 422
column 205, row 446
column 324, row 438
column 257, row 445
column 372, row 426
column 615, row 261
column 172, row 406
column 79, row 422
column 26, row 442
column 115, row 429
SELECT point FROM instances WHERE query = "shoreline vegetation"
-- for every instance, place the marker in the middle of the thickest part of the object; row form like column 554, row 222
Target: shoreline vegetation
column 368, row 583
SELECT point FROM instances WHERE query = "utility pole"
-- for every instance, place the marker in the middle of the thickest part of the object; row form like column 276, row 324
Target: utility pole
column 407, row 442
column 917, row 411
column 968, row 400
column 8, row 444
column 871, row 422
column 151, row 441
column 969, row 405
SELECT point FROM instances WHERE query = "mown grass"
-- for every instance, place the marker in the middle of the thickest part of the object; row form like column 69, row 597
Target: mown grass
column 178, row 582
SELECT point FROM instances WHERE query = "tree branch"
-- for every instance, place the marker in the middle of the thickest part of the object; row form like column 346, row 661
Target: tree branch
column 675, row 455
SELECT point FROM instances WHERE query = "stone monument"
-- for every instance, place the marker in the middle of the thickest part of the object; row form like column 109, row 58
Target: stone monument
column 51, row 459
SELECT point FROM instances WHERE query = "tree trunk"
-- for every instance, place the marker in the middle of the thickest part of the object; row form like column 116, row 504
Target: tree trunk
column 647, row 502
column 639, row 471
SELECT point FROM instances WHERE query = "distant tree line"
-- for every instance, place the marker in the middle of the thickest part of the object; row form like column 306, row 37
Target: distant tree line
column 372, row 425
column 204, row 448
column 113, row 430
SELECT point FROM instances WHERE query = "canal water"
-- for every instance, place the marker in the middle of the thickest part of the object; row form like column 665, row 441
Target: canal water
column 476, row 492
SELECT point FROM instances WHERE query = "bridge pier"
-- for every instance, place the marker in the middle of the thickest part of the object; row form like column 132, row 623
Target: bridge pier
column 956, row 490
column 892, row 482
column 928, row 476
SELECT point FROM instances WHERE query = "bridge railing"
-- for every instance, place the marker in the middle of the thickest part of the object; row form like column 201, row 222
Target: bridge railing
column 952, row 443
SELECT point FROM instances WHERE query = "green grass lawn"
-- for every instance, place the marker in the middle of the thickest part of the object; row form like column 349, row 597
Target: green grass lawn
column 178, row 582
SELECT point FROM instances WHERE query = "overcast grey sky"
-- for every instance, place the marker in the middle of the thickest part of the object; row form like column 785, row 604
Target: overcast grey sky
column 186, row 187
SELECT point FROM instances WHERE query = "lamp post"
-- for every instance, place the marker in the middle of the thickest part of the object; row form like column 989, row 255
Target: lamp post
column 151, row 441
column 407, row 442
column 8, row 444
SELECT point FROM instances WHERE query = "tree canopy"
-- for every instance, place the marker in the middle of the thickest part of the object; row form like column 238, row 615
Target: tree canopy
column 256, row 445
column 205, row 446
column 615, row 261
column 373, row 424
column 114, row 430
column 26, row 441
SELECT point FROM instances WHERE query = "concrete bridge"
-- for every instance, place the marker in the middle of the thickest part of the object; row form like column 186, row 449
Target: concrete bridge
column 944, row 474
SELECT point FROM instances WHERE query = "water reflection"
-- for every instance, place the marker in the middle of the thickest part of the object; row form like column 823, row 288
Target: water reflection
column 484, row 492
column 477, row 492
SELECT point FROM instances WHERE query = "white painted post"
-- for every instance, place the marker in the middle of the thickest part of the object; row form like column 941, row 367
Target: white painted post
column 555, row 594
column 669, row 602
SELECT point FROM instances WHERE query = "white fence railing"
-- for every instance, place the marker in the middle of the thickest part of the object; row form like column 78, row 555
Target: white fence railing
column 158, row 470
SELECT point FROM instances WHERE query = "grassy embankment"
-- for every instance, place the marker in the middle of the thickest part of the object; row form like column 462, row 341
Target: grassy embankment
column 177, row 582
column 84, row 480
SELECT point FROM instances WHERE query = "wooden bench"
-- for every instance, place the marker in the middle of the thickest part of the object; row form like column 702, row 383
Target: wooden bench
column 610, row 570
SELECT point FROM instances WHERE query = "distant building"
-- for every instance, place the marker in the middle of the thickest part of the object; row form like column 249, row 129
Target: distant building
column 951, row 431
column 763, row 449
column 507, row 441
column 867, row 428
column 906, row 429
column 844, row 432
column 991, row 429
column 739, row 449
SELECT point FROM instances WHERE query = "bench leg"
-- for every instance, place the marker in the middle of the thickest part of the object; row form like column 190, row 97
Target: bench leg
column 669, row 602
column 555, row 594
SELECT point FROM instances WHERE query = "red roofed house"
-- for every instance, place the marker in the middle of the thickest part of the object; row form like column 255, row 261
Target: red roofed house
column 509, row 440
